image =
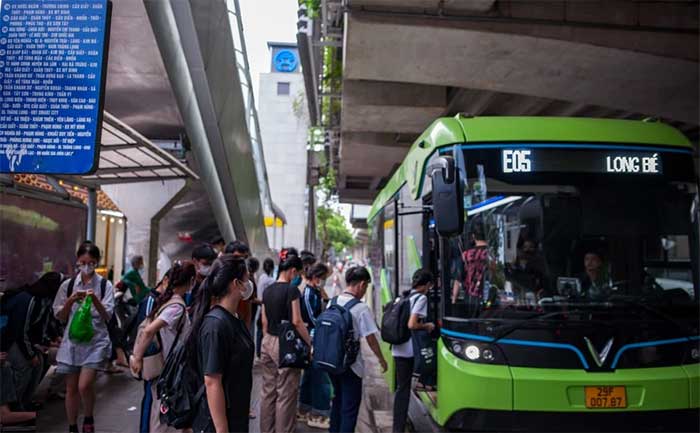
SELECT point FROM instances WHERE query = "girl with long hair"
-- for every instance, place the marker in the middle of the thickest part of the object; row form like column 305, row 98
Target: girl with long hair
column 224, row 348
column 169, row 324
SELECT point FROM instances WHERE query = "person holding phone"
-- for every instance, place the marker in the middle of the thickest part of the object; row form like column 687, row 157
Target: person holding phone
column 79, row 362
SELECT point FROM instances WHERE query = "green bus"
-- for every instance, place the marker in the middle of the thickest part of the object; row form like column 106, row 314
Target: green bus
column 567, row 251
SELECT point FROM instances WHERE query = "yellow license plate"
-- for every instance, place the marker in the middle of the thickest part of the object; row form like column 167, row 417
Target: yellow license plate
column 606, row 397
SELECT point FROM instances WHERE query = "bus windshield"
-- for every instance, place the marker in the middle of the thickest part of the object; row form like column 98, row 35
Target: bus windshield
column 542, row 237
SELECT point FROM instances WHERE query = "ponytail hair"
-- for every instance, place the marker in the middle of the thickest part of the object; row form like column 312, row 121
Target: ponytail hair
column 291, row 262
column 180, row 274
column 317, row 270
column 224, row 270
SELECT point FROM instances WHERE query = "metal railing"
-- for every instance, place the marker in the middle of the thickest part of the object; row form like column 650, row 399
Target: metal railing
column 253, row 124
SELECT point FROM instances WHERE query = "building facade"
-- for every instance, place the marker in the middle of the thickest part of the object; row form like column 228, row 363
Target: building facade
column 283, row 115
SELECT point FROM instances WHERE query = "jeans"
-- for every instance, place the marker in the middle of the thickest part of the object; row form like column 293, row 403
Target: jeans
column 315, row 394
column 404, row 373
column 26, row 377
column 346, row 402
column 146, row 402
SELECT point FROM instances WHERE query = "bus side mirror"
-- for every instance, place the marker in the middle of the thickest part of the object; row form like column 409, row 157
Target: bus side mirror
column 448, row 199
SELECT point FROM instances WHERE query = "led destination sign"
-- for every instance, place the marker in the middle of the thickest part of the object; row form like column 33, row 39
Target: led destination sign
column 589, row 161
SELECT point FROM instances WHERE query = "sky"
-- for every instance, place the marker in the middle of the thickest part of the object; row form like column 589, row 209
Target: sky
column 266, row 21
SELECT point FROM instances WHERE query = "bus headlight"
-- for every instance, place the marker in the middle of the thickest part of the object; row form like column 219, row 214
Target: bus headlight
column 474, row 351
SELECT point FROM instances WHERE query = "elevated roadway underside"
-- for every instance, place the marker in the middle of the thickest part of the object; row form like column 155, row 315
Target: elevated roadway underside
column 405, row 65
column 172, row 76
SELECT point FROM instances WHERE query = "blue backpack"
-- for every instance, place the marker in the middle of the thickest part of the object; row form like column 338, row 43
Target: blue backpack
column 335, row 347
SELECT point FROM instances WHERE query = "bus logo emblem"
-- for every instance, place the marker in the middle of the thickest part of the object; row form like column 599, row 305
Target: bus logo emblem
column 599, row 357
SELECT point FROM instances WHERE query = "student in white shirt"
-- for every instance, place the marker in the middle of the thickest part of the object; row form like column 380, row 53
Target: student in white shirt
column 347, row 387
column 421, row 283
column 81, row 361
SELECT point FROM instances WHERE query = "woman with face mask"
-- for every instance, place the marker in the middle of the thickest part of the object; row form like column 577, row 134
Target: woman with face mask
column 169, row 324
column 280, row 385
column 315, row 393
column 224, row 348
column 80, row 361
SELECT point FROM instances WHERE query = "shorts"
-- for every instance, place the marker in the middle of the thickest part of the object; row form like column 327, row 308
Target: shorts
column 75, row 369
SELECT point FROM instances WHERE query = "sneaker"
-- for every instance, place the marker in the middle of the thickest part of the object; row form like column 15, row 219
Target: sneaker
column 320, row 422
column 89, row 427
column 302, row 416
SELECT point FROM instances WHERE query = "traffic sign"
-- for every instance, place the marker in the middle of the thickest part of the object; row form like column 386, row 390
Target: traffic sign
column 53, row 58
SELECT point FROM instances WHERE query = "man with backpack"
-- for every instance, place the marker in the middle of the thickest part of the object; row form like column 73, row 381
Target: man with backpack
column 344, row 361
column 414, row 305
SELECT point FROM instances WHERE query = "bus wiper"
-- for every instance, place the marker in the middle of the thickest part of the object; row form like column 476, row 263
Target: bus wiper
column 520, row 324
column 652, row 310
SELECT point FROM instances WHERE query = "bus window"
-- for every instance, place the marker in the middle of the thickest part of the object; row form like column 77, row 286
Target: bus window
column 535, row 246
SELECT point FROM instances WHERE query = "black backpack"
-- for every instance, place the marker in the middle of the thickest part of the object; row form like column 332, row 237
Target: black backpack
column 395, row 320
column 180, row 387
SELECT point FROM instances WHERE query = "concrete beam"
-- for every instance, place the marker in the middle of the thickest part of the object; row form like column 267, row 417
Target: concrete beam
column 397, row 107
column 360, row 155
column 356, row 196
column 525, row 65
column 448, row 6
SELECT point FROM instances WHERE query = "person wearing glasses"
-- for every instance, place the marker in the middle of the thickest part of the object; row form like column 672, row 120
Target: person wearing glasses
column 79, row 362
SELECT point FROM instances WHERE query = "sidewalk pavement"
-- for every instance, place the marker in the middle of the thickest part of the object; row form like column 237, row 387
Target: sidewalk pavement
column 118, row 403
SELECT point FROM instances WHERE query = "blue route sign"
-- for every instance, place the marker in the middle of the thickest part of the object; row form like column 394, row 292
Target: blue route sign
column 53, row 57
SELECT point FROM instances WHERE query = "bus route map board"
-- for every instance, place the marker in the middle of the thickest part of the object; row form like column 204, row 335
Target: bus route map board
column 53, row 58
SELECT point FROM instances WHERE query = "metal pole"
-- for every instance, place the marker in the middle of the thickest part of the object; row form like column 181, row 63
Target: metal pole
column 92, row 214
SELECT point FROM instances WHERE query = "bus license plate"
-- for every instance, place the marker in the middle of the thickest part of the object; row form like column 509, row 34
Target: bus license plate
column 606, row 397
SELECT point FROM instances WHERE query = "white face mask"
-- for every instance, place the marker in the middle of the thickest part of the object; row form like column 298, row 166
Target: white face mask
column 204, row 270
column 249, row 289
column 87, row 269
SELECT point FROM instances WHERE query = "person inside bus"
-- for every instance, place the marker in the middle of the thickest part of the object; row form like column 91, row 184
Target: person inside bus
column 476, row 262
column 527, row 271
column 595, row 284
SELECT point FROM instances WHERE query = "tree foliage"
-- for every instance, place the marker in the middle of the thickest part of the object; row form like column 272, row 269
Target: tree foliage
column 330, row 224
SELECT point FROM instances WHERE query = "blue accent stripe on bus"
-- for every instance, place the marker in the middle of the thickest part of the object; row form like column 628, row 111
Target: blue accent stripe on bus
column 645, row 344
column 574, row 146
column 465, row 335
column 519, row 343
column 486, row 202
column 694, row 337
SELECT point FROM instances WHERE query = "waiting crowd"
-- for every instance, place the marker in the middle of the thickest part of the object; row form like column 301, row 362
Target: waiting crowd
column 193, row 340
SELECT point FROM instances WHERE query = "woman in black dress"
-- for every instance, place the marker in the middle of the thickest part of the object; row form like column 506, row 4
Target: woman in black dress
column 224, row 348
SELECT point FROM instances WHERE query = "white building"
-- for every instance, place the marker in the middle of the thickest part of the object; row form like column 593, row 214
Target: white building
column 283, row 116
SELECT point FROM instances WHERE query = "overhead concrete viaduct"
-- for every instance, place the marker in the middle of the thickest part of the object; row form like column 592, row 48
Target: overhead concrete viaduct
column 406, row 63
column 173, row 75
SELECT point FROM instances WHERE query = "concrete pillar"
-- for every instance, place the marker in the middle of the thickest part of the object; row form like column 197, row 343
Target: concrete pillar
column 92, row 214
column 153, row 250
column 140, row 202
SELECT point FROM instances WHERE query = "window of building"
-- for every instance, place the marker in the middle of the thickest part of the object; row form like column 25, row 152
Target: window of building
column 282, row 88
